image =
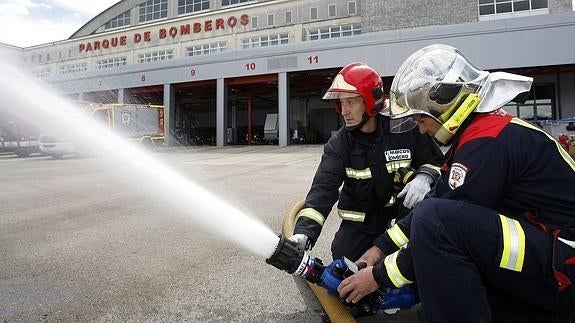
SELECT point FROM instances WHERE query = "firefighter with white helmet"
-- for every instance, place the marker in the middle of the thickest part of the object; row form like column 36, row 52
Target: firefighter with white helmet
column 496, row 241
column 364, row 156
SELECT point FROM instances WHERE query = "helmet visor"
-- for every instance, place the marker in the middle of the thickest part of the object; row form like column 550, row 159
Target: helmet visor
column 336, row 95
column 430, row 80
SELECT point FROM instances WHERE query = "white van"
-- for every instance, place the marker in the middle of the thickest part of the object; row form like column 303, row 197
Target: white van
column 57, row 147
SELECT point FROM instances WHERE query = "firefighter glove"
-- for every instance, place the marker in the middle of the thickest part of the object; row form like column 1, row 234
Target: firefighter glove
column 303, row 242
column 415, row 190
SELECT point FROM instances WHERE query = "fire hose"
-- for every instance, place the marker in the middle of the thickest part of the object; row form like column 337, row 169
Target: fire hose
column 324, row 280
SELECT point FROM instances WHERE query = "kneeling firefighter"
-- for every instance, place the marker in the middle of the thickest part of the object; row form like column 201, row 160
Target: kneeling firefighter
column 497, row 241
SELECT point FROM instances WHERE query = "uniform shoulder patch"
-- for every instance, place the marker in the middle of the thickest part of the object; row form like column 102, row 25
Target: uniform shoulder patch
column 457, row 175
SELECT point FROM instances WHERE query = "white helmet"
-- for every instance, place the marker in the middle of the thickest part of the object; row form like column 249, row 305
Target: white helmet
column 436, row 80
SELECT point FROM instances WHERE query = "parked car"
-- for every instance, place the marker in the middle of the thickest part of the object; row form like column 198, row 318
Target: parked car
column 57, row 146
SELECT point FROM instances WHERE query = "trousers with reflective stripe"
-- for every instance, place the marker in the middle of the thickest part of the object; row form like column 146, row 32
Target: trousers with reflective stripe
column 473, row 264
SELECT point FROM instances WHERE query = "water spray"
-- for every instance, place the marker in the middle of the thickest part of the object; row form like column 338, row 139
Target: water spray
column 28, row 99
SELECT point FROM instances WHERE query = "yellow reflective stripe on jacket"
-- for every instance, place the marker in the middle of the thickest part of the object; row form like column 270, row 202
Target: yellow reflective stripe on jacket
column 311, row 214
column 393, row 166
column 358, row 173
column 513, row 244
column 562, row 151
column 393, row 272
column 351, row 215
column 397, row 236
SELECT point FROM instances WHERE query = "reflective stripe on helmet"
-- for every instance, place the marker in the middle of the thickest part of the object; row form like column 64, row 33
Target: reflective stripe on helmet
column 351, row 215
column 358, row 173
column 398, row 237
column 311, row 214
column 513, row 244
column 395, row 276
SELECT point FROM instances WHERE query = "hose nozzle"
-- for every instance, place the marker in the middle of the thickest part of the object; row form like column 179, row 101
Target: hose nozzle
column 288, row 257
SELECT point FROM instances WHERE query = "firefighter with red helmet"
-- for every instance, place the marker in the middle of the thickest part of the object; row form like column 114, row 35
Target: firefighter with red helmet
column 496, row 243
column 363, row 156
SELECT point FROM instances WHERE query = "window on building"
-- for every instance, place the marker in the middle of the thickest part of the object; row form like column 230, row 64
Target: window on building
column 288, row 17
column 191, row 6
column 233, row 2
column 73, row 68
column 331, row 10
column 153, row 10
column 42, row 73
column 120, row 21
column 265, row 41
column 47, row 57
column 156, row 56
column 539, row 106
column 493, row 9
column 313, row 15
column 206, row 49
column 39, row 58
column 111, row 62
column 351, row 8
column 254, row 21
column 270, row 19
column 334, row 32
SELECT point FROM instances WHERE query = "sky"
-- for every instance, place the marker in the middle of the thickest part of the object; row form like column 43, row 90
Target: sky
column 26, row 23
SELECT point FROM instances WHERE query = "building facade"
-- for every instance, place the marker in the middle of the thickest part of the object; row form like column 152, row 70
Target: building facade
column 253, row 72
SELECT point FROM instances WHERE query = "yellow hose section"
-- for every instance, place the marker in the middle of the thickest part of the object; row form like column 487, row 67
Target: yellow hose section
column 334, row 308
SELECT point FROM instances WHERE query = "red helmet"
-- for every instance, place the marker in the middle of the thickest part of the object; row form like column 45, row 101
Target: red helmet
column 357, row 79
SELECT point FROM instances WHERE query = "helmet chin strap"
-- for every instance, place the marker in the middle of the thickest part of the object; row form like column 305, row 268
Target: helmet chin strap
column 363, row 121
column 450, row 127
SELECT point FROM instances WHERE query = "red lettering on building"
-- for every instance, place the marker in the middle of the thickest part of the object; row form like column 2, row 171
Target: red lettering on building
column 208, row 25
column 232, row 21
column 185, row 29
column 244, row 19
column 163, row 33
column 173, row 32
column 219, row 23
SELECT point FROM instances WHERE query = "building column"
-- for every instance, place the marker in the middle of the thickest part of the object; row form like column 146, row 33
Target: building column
column 169, row 114
column 283, row 93
column 121, row 96
column 221, row 112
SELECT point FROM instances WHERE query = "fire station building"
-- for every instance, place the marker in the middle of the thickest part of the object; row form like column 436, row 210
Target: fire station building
column 254, row 71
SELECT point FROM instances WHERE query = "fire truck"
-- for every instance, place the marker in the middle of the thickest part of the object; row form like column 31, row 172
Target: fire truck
column 143, row 123
column 137, row 122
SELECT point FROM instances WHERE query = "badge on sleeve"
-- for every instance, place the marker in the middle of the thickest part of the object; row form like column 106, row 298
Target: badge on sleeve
column 457, row 175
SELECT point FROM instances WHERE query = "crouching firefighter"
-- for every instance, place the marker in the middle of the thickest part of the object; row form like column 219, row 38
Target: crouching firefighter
column 497, row 242
column 364, row 155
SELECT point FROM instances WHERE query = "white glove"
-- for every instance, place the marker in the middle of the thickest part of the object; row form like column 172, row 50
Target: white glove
column 415, row 190
column 301, row 240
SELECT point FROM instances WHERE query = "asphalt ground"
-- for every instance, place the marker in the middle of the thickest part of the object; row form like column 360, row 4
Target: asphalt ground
column 78, row 243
